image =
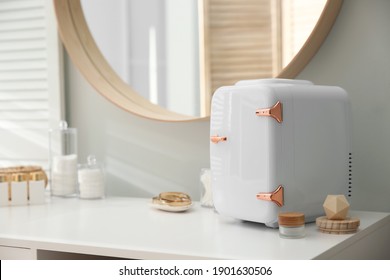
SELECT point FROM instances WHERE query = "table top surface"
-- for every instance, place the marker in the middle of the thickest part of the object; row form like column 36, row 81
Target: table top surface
column 131, row 228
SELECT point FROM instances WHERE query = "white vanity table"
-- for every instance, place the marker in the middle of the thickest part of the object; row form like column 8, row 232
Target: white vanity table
column 130, row 228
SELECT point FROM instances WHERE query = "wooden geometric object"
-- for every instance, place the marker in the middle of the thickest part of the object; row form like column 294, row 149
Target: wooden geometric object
column 349, row 225
column 336, row 207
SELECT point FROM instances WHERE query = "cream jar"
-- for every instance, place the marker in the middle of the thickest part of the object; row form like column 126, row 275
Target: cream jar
column 19, row 189
column 4, row 189
column 36, row 187
column 292, row 225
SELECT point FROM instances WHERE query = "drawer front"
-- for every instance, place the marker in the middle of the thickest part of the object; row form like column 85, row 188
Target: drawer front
column 16, row 253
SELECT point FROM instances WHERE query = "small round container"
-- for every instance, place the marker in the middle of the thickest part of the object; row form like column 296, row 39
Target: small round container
column 292, row 225
column 206, row 195
column 91, row 179
column 19, row 189
column 5, row 191
column 36, row 187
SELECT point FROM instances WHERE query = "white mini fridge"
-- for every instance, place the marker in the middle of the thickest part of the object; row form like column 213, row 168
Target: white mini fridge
column 278, row 145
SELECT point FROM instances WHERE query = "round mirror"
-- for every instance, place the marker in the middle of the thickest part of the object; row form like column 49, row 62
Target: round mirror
column 164, row 63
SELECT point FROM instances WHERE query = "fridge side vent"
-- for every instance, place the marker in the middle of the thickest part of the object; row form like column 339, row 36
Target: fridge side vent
column 350, row 175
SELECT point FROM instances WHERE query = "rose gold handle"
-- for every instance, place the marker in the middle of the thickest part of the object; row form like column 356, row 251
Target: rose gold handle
column 275, row 112
column 277, row 196
column 216, row 139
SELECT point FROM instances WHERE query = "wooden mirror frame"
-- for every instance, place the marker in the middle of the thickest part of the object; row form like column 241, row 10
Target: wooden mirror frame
column 85, row 54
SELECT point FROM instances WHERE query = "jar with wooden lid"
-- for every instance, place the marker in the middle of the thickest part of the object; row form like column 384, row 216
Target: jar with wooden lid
column 292, row 225
column 19, row 190
column 4, row 189
column 36, row 187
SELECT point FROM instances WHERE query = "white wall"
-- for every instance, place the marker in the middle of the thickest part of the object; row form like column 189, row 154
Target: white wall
column 146, row 157
column 356, row 57
column 142, row 157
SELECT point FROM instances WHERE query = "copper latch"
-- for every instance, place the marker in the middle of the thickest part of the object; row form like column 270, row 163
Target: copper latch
column 275, row 112
column 277, row 196
column 216, row 139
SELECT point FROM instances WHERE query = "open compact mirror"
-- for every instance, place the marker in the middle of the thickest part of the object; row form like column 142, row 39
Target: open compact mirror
column 163, row 59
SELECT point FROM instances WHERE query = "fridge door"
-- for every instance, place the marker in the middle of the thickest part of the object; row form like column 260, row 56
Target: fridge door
column 242, row 152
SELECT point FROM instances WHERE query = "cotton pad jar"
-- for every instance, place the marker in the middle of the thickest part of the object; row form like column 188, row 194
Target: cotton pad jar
column 63, row 160
column 91, row 179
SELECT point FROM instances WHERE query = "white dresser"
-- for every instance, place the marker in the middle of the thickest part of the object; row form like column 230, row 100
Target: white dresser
column 129, row 228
